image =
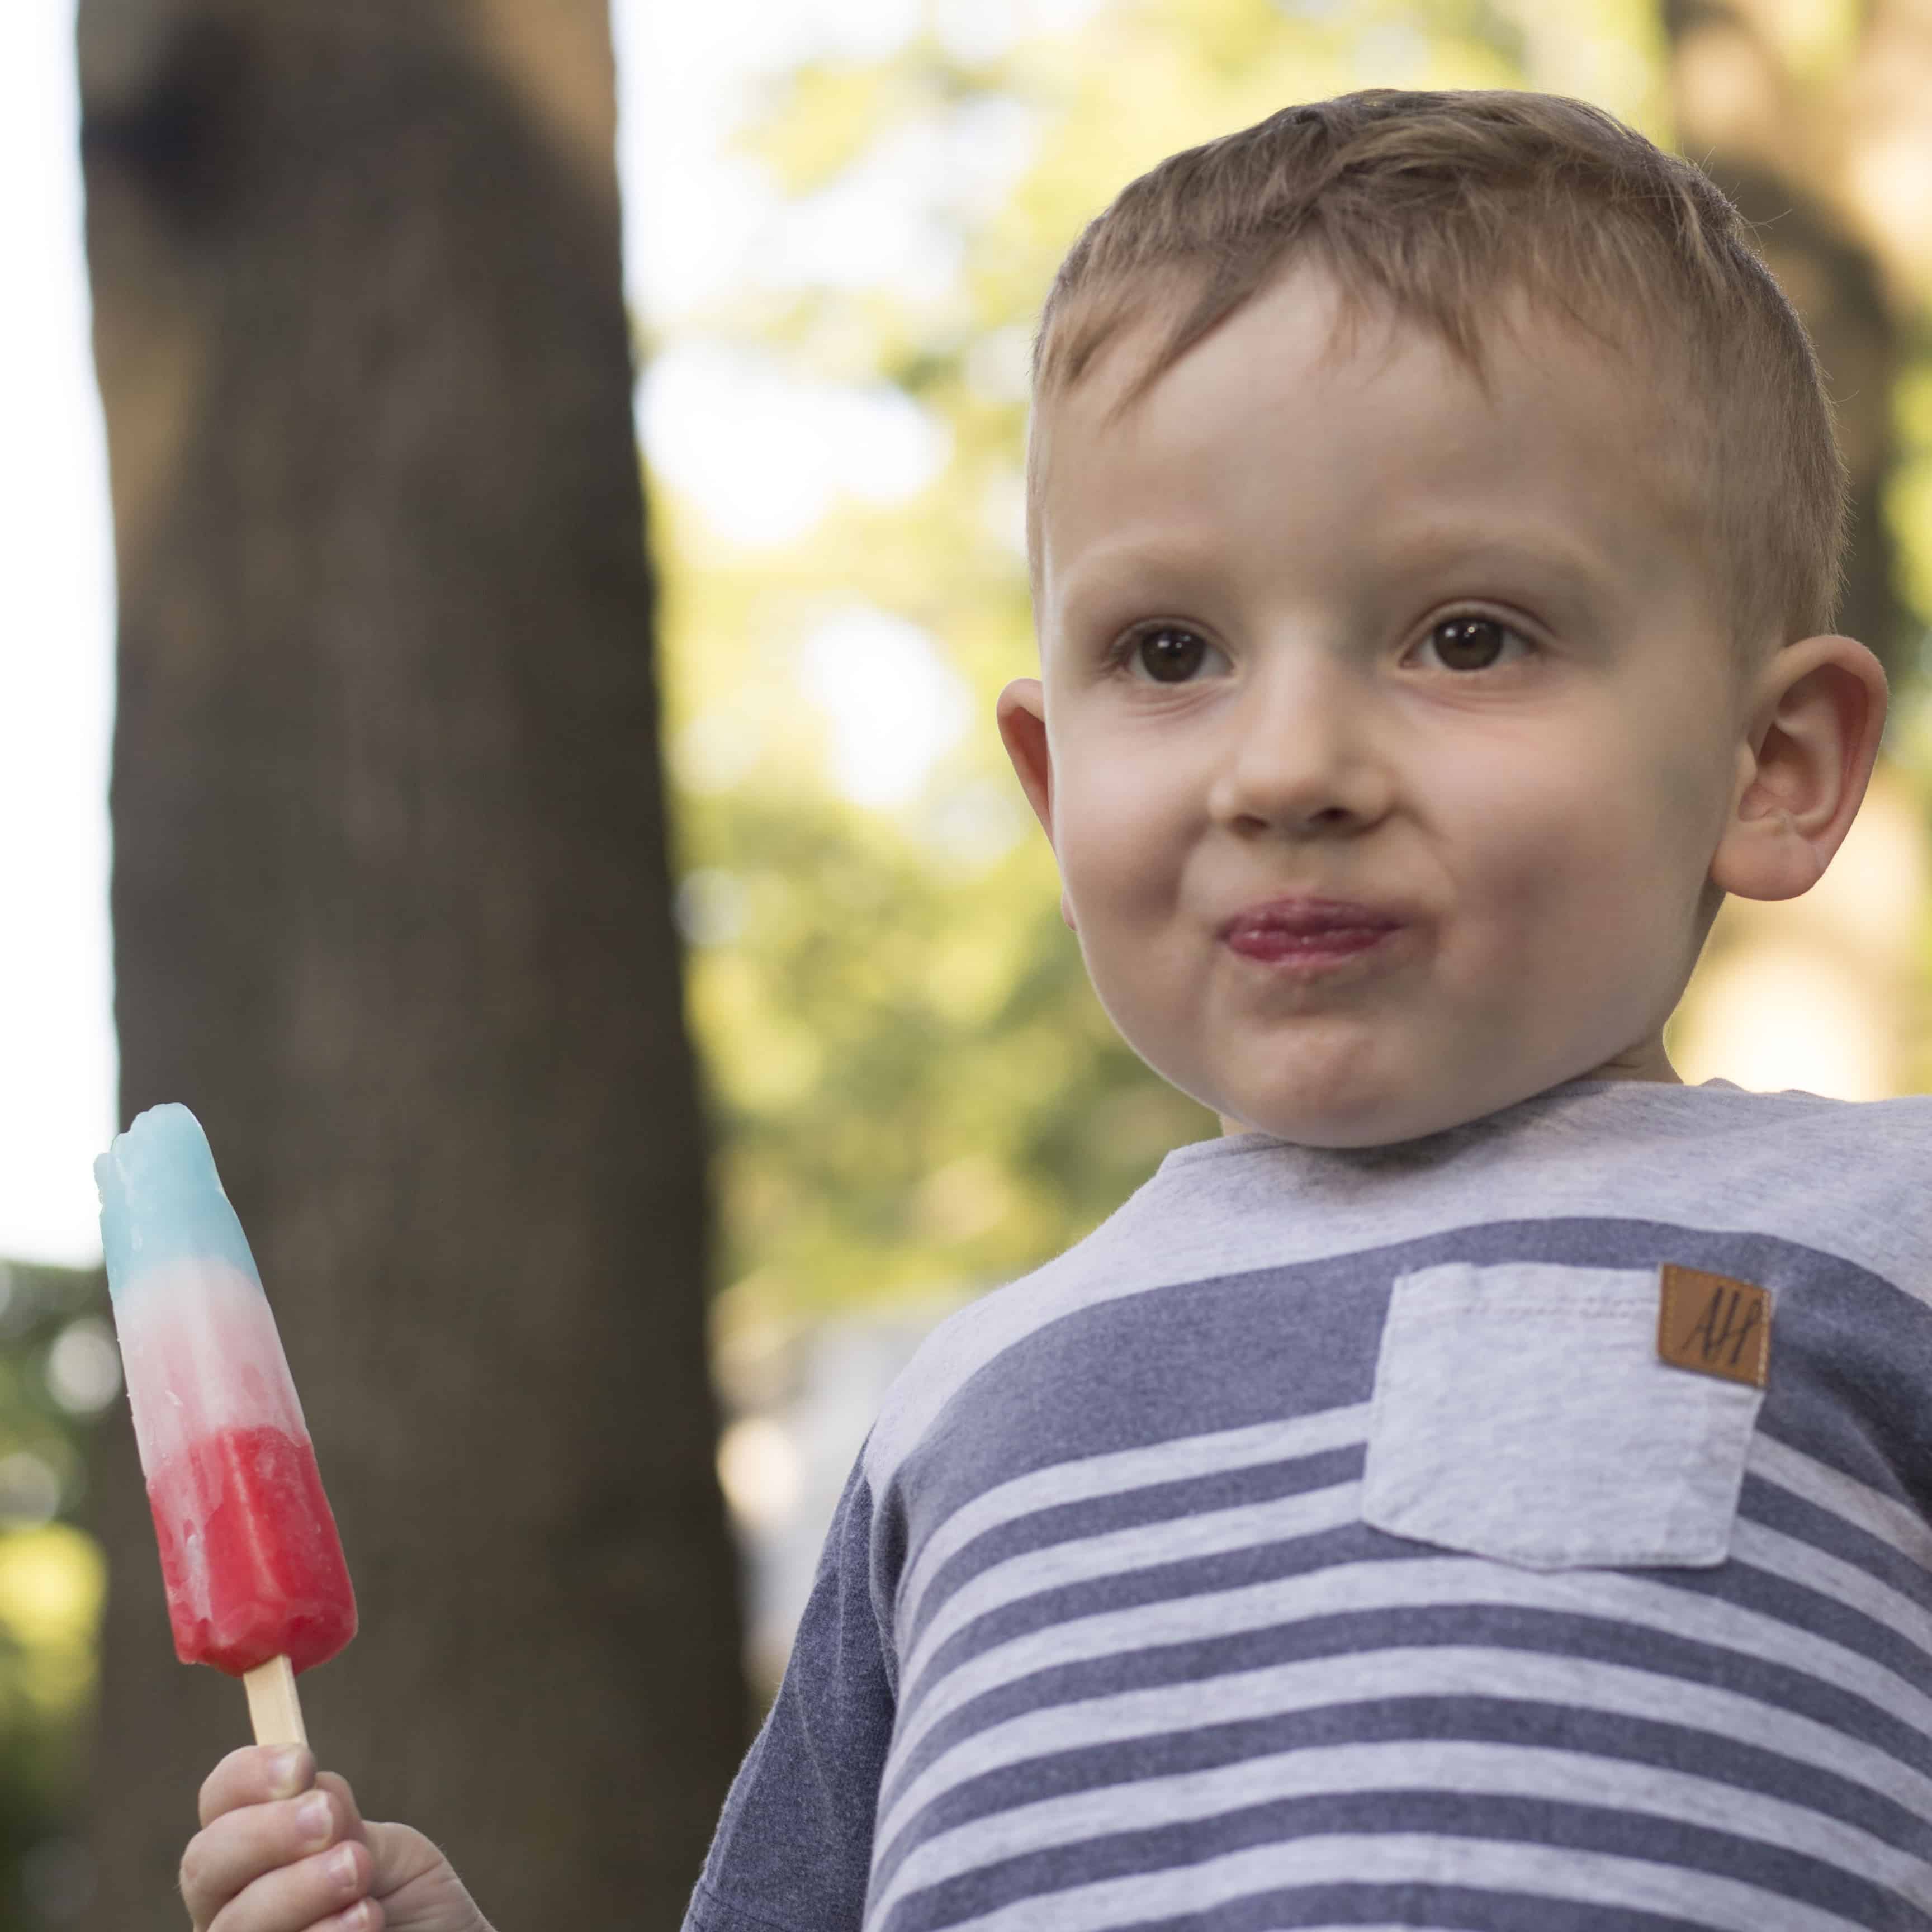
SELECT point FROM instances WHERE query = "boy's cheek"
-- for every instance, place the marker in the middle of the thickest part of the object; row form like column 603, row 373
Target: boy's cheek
column 1116, row 853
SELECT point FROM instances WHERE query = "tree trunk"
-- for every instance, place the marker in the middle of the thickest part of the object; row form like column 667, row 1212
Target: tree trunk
column 391, row 914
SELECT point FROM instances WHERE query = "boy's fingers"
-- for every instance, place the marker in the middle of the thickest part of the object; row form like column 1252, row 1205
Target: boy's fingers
column 348, row 1814
column 320, row 1892
column 366, row 1915
column 253, row 1775
column 227, row 1862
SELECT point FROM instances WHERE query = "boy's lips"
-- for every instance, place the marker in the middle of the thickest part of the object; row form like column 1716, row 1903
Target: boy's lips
column 1311, row 919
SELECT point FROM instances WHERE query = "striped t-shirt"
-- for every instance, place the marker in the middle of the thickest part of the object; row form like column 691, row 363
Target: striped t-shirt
column 1325, row 1541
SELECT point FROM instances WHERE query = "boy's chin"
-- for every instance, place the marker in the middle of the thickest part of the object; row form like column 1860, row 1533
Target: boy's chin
column 1385, row 1120
column 1317, row 1120
column 1315, row 1130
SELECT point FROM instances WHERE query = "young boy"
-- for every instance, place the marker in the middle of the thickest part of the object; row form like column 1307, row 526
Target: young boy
column 1489, row 1487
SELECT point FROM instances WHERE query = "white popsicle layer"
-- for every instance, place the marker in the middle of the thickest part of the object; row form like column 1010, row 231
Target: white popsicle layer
column 201, row 1353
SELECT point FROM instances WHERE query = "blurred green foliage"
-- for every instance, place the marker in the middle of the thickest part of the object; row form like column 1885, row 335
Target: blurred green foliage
column 57, row 1373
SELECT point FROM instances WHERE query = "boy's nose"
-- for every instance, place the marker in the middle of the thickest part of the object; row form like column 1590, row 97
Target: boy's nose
column 1303, row 758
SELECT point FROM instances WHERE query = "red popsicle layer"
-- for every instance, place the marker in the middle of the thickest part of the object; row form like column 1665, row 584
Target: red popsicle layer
column 262, row 1552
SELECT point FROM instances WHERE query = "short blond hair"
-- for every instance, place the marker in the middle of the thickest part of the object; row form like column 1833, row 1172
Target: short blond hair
column 1429, row 204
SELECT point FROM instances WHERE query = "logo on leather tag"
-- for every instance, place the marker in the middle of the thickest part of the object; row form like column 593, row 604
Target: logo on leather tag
column 1714, row 1325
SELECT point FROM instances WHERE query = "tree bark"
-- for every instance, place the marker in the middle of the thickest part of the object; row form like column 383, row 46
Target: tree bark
column 391, row 910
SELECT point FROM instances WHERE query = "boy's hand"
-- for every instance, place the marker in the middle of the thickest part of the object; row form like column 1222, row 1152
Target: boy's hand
column 281, row 1849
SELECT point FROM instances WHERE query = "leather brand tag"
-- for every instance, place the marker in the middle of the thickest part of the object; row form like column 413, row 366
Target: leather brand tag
column 1714, row 1325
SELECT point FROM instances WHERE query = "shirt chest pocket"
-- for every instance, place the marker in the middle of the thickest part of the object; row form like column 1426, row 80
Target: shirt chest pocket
column 1521, row 1412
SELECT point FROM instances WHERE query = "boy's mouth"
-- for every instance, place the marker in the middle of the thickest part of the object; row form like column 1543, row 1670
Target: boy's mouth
column 1310, row 929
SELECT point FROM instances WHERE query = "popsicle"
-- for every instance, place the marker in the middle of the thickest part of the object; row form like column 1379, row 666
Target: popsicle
column 256, row 1585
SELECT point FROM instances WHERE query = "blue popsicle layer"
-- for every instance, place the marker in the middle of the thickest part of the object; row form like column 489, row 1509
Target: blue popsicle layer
column 161, row 1199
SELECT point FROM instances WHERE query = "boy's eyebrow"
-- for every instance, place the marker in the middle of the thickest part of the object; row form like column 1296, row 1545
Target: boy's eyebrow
column 1577, row 569
column 1573, row 572
column 1161, row 554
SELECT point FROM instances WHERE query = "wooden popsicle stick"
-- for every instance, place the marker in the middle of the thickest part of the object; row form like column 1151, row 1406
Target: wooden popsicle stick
column 274, row 1708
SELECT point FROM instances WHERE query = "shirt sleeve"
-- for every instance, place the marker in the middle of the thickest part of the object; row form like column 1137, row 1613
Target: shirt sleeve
column 793, row 1846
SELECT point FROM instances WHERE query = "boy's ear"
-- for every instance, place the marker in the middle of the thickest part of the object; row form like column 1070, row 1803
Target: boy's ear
column 1815, row 719
column 1022, row 717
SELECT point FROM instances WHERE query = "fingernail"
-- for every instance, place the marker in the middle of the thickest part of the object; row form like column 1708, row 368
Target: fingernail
column 312, row 1818
column 342, row 1866
column 285, row 1771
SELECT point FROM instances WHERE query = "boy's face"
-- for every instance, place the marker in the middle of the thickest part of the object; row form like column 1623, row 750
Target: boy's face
column 1440, row 678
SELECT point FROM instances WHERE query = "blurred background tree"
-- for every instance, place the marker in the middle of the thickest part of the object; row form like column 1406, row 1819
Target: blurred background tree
column 391, row 912
column 1817, row 120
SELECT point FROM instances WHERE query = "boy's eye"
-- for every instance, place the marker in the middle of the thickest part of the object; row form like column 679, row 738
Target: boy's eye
column 1472, row 642
column 1469, row 641
column 1167, row 653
